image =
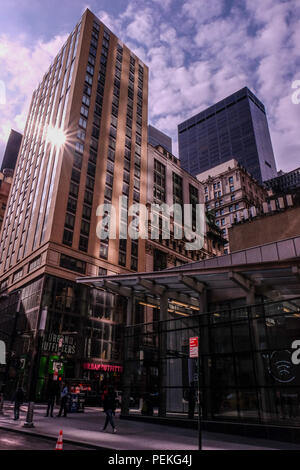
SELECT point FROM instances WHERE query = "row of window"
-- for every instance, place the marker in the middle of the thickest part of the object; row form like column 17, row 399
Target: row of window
column 104, row 244
column 77, row 165
column 41, row 114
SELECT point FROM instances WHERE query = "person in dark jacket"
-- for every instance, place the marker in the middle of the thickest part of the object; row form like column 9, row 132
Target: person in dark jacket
column 109, row 406
column 51, row 395
column 18, row 399
column 64, row 401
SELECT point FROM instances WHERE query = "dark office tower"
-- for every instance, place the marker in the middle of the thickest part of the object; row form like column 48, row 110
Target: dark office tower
column 12, row 150
column 156, row 137
column 235, row 127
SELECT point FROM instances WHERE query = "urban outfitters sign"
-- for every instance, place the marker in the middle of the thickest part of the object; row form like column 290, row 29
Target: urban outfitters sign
column 59, row 344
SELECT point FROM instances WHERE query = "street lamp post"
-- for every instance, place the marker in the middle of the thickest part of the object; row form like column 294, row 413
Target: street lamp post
column 33, row 374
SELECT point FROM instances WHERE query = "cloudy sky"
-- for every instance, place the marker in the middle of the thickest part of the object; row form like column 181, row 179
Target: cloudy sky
column 198, row 52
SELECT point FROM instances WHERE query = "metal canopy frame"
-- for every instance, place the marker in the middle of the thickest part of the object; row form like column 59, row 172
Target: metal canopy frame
column 271, row 270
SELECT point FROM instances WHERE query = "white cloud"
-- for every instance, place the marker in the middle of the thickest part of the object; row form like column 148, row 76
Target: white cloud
column 197, row 55
column 203, row 10
column 22, row 68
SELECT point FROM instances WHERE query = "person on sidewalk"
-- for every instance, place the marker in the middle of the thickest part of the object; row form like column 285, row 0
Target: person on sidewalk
column 109, row 407
column 51, row 396
column 18, row 399
column 64, row 401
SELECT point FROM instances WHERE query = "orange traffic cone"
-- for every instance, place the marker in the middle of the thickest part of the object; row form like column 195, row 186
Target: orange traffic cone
column 59, row 444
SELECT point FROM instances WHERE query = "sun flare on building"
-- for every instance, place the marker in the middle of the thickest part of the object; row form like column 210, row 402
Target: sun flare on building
column 56, row 136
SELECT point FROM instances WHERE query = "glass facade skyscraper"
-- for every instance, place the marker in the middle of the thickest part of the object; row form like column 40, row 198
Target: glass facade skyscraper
column 235, row 127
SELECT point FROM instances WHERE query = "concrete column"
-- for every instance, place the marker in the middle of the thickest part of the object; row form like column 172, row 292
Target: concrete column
column 164, row 302
column 260, row 372
column 130, row 310
column 127, row 363
column 250, row 297
column 205, row 361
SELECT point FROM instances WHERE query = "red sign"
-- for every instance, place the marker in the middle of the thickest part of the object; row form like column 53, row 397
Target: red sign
column 105, row 367
column 194, row 347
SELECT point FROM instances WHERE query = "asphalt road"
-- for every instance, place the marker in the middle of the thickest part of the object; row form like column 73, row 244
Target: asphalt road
column 16, row 441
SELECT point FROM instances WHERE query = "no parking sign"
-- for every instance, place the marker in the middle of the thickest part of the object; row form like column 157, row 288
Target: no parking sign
column 194, row 346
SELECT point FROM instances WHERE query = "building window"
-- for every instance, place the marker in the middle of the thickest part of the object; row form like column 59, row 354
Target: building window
column 68, row 238
column 18, row 275
column 75, row 176
column 104, row 250
column 159, row 188
column 159, row 260
column 83, row 243
column 72, row 264
column 74, row 189
column 72, row 205
column 86, row 212
column 102, row 272
column 34, row 264
column 85, row 227
column 70, row 221
column 88, row 197
column 134, row 264
column 122, row 259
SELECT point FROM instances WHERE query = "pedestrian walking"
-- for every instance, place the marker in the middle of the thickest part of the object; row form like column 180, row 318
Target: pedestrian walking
column 109, row 407
column 64, row 401
column 51, row 396
column 18, row 399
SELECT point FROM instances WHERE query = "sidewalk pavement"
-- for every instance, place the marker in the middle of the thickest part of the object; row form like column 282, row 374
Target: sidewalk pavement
column 85, row 428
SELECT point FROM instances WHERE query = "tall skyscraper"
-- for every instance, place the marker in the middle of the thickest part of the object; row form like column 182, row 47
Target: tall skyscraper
column 85, row 144
column 235, row 127
column 12, row 150
column 157, row 137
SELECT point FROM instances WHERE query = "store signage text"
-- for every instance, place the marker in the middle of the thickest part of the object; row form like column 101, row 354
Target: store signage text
column 194, row 347
column 105, row 367
column 2, row 353
column 296, row 354
column 59, row 343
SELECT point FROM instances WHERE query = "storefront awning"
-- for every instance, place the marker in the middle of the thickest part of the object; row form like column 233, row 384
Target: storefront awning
column 272, row 270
